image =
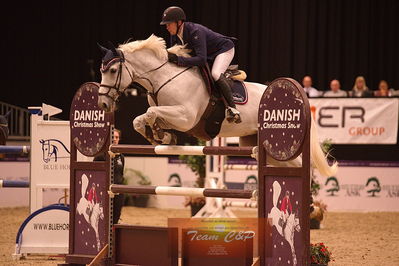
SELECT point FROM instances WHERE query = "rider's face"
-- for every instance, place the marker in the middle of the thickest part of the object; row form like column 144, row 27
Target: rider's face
column 172, row 28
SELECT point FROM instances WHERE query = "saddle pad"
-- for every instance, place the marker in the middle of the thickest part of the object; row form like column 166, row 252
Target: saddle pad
column 240, row 94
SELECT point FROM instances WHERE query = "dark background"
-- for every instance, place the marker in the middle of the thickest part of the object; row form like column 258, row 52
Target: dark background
column 49, row 48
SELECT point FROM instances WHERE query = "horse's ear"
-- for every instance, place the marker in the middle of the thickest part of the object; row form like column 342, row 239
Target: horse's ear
column 113, row 49
column 103, row 49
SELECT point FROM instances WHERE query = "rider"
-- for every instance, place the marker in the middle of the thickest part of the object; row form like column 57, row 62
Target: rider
column 285, row 205
column 206, row 45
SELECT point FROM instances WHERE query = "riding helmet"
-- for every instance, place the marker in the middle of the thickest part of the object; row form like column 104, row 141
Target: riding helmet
column 173, row 14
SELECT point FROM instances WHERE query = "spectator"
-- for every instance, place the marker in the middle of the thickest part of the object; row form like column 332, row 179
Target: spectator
column 383, row 89
column 307, row 86
column 119, row 164
column 335, row 90
column 360, row 88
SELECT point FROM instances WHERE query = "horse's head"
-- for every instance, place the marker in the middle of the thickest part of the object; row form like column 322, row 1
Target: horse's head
column 45, row 149
column 145, row 59
column 4, row 131
column 115, row 77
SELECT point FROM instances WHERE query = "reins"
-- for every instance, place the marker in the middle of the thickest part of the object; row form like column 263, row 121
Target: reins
column 153, row 94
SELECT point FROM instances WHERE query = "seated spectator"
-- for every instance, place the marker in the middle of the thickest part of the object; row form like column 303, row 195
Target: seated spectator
column 360, row 88
column 383, row 89
column 335, row 90
column 394, row 93
column 307, row 86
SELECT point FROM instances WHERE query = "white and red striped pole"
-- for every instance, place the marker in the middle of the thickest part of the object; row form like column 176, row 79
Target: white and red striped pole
column 183, row 191
column 182, row 150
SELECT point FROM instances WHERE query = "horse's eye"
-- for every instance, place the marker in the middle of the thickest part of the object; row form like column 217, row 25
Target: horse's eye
column 113, row 70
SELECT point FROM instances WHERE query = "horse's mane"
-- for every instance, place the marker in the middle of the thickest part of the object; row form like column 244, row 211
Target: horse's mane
column 157, row 45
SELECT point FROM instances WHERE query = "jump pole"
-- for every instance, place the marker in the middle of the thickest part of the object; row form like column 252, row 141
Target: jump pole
column 184, row 191
column 13, row 184
column 14, row 149
column 182, row 150
column 242, row 204
column 240, row 167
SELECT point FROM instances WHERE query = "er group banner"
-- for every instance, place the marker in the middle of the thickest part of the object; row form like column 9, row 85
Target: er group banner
column 356, row 121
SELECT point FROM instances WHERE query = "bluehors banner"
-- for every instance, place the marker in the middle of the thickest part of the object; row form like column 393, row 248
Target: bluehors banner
column 356, row 121
column 361, row 189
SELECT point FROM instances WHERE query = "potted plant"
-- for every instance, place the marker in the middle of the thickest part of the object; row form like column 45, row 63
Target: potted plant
column 317, row 215
column 133, row 176
column 320, row 255
column 197, row 165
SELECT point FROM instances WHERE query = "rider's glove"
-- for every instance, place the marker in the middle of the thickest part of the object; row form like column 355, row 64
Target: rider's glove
column 172, row 58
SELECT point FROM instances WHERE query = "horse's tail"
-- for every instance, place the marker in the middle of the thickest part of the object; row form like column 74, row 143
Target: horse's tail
column 318, row 157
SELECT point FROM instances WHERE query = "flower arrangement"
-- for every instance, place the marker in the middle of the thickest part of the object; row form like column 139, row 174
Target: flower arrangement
column 319, row 254
column 318, row 208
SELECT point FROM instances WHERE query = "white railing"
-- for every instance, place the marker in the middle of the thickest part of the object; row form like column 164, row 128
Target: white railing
column 18, row 121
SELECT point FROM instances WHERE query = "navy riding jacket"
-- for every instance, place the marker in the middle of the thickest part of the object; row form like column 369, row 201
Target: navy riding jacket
column 204, row 43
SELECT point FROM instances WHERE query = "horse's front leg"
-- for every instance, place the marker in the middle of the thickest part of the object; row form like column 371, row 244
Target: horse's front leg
column 140, row 125
column 294, row 259
column 97, row 238
column 165, row 117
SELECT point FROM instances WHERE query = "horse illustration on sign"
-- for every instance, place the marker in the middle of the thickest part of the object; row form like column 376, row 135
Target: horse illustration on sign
column 285, row 220
column 51, row 149
column 90, row 208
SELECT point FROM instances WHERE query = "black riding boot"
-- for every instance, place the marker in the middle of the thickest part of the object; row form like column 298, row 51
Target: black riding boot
column 232, row 114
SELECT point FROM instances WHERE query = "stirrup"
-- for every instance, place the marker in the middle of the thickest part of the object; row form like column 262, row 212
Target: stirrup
column 233, row 115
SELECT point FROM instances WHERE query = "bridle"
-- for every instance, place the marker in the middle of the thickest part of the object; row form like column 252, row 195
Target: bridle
column 133, row 76
column 105, row 68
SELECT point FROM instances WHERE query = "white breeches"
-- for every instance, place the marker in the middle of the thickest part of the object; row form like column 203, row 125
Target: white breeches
column 221, row 63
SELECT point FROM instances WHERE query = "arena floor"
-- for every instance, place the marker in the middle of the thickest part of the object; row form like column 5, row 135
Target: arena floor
column 354, row 238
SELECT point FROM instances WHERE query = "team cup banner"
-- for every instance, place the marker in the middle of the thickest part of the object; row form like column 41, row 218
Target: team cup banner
column 356, row 121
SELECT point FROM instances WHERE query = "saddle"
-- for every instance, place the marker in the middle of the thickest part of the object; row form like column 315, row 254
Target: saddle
column 211, row 121
column 234, row 73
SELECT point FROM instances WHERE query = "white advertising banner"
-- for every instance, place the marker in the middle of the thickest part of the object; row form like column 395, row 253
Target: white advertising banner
column 356, row 121
column 361, row 189
column 50, row 141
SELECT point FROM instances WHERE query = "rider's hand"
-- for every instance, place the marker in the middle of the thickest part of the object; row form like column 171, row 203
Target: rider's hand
column 172, row 58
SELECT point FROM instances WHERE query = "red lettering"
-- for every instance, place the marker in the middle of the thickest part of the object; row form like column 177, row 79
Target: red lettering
column 366, row 131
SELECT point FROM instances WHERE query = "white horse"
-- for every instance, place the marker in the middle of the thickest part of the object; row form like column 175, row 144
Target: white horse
column 179, row 97
column 96, row 213
column 292, row 222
